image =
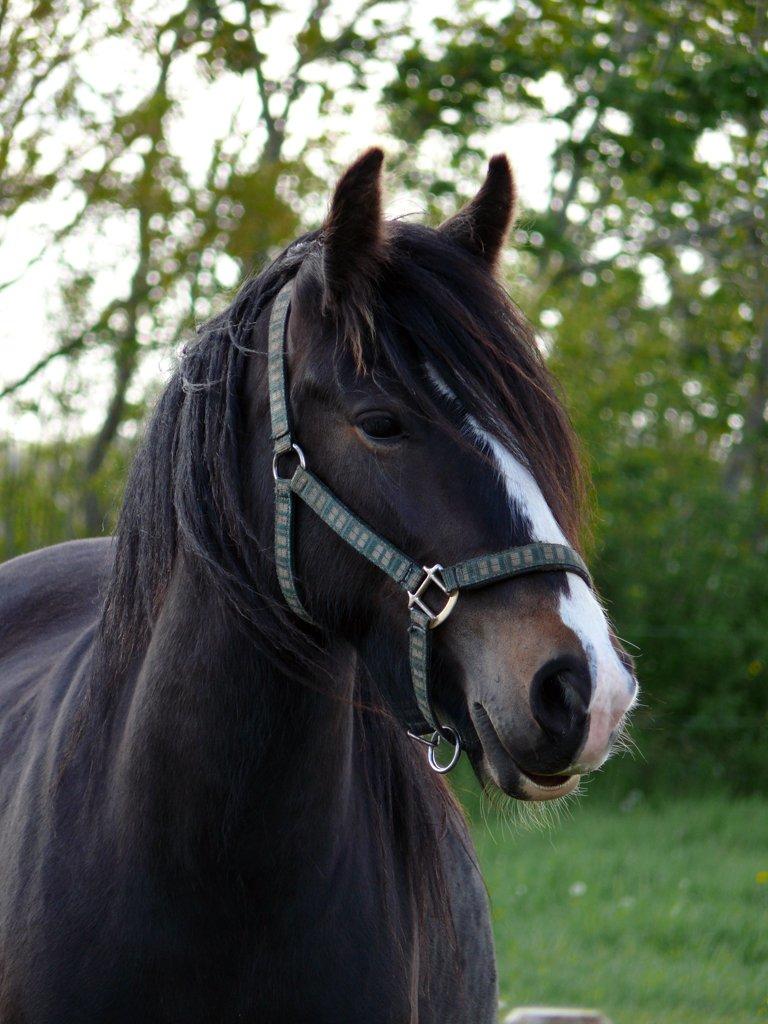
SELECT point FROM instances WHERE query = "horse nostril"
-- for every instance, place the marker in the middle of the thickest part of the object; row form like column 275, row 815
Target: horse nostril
column 560, row 695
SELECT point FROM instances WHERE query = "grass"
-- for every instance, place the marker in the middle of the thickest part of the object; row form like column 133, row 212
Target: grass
column 653, row 910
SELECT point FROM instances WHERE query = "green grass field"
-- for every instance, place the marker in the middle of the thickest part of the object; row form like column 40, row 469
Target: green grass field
column 654, row 911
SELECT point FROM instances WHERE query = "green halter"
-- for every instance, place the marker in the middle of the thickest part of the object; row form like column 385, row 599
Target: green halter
column 416, row 580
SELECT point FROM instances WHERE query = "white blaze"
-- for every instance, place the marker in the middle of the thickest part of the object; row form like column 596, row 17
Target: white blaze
column 613, row 687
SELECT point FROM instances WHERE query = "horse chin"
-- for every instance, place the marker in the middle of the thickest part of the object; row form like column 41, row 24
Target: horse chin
column 515, row 783
column 495, row 765
column 543, row 787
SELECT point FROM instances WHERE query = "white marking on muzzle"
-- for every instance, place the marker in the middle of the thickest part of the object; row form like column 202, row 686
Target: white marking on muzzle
column 614, row 689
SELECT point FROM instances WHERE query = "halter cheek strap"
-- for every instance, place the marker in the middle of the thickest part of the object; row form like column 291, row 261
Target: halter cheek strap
column 432, row 591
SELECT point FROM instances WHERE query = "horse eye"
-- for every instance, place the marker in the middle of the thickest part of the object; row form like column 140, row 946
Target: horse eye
column 381, row 426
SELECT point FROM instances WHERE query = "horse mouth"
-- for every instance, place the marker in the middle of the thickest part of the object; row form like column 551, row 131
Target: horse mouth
column 498, row 765
column 548, row 787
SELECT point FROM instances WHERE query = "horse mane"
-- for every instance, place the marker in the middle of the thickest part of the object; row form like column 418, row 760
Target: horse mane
column 186, row 492
column 434, row 304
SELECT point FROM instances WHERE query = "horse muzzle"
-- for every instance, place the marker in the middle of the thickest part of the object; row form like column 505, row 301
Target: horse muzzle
column 567, row 731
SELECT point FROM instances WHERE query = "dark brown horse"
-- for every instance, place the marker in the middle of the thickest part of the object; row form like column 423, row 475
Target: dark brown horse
column 210, row 811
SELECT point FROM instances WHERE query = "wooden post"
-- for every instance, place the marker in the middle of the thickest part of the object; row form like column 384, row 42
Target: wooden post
column 552, row 1015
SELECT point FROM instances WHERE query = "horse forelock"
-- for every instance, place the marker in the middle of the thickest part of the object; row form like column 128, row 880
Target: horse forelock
column 435, row 309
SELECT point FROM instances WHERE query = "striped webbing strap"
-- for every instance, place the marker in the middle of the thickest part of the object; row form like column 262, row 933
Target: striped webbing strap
column 421, row 583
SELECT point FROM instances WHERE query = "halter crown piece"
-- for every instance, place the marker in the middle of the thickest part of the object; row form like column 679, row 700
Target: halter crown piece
column 422, row 584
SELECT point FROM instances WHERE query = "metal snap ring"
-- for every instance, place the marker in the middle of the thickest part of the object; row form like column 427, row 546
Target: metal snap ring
column 443, row 769
column 276, row 456
column 434, row 742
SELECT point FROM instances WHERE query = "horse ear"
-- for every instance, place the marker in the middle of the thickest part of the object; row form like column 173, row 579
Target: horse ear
column 353, row 233
column 482, row 225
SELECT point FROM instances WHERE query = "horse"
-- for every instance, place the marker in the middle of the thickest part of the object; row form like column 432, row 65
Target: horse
column 216, row 788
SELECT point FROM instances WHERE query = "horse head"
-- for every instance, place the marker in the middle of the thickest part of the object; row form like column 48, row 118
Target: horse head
column 420, row 399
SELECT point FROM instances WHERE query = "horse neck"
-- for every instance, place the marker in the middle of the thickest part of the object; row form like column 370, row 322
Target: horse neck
column 223, row 758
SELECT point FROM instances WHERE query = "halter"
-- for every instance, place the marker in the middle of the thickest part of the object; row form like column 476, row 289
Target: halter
column 432, row 590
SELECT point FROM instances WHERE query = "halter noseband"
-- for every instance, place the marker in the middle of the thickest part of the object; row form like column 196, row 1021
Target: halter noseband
column 416, row 712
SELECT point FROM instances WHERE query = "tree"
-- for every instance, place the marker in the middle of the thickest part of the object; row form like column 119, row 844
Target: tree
column 105, row 144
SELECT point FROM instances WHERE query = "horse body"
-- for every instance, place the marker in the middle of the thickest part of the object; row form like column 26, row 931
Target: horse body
column 243, row 894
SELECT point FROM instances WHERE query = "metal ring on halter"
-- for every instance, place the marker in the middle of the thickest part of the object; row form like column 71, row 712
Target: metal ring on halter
column 276, row 456
column 443, row 769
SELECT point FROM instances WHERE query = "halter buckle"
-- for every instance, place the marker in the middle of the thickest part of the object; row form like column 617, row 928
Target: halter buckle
column 415, row 597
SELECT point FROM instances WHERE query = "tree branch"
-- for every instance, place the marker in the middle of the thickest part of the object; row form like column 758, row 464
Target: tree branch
column 63, row 350
column 626, row 43
column 652, row 244
column 67, row 348
column 274, row 135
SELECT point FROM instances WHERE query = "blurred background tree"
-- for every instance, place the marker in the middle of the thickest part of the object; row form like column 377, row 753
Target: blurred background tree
column 641, row 260
column 173, row 236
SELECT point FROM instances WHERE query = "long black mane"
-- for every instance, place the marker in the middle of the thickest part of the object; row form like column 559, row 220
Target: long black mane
column 432, row 305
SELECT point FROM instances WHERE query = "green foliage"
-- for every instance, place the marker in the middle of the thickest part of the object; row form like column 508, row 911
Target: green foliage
column 104, row 143
column 679, row 555
column 41, row 488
